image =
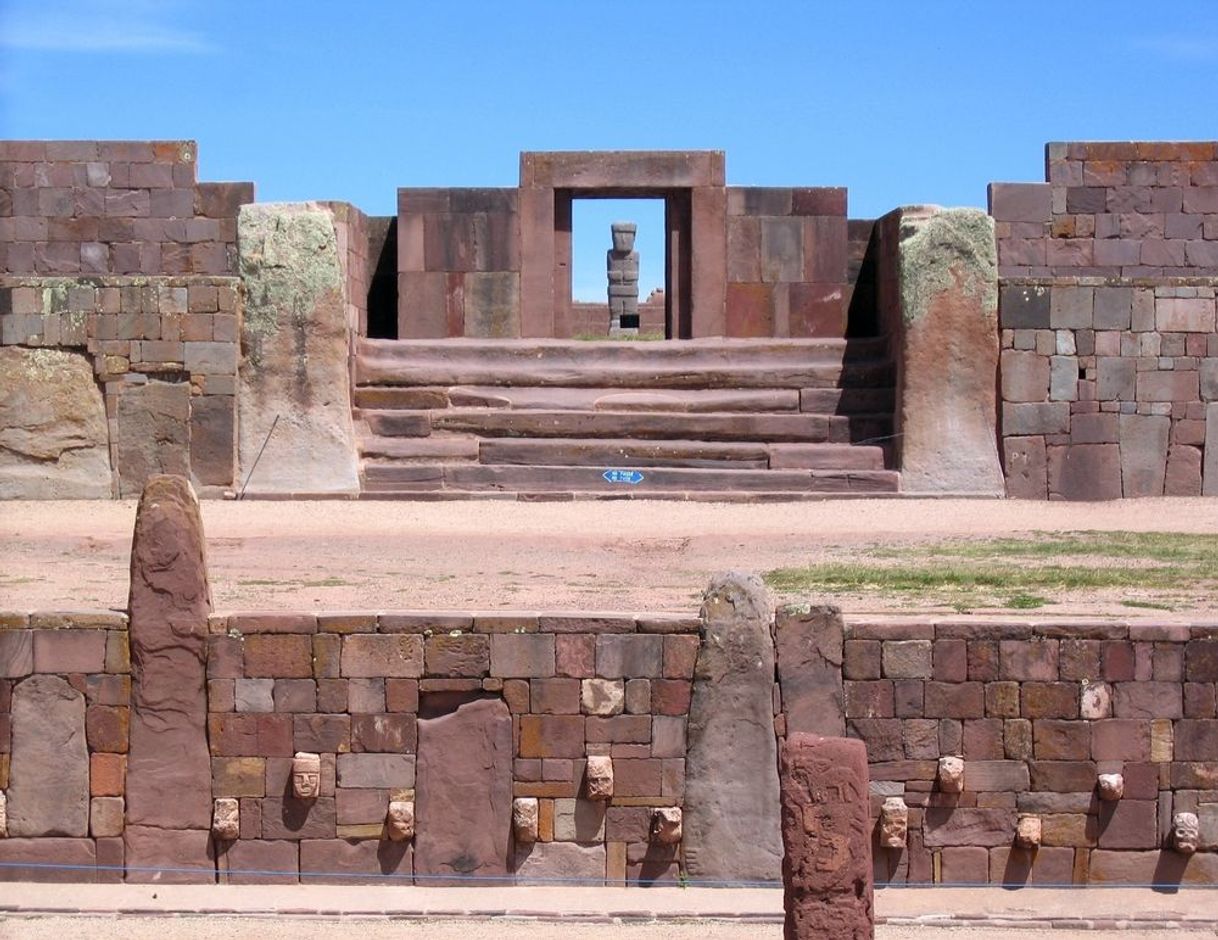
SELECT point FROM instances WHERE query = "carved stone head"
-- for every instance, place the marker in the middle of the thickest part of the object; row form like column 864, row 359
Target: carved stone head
column 894, row 823
column 1028, row 832
column 306, row 775
column 666, row 825
column 623, row 236
column 1111, row 787
column 399, row 821
column 598, row 777
column 951, row 774
column 1185, row 833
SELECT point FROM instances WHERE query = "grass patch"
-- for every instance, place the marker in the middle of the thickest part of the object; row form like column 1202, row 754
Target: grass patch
column 1147, row 605
column 1018, row 573
column 619, row 337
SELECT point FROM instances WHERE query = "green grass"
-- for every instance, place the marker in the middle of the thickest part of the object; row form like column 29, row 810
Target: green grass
column 1018, row 573
column 619, row 338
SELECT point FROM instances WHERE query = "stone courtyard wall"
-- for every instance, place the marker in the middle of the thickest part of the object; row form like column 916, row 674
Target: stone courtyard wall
column 1109, row 343
column 1036, row 709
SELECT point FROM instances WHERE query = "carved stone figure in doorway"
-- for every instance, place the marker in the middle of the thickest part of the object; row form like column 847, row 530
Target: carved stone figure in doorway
column 622, row 265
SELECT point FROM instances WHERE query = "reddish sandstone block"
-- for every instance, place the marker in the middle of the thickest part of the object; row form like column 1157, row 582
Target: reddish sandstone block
column 619, row 729
column 65, row 651
column 555, row 696
column 638, row 777
column 294, row 695
column 575, row 655
column 327, row 652
column 321, row 733
column 1128, row 824
column 1115, row 739
column 107, row 728
column 225, row 657
column 523, row 656
column 883, row 737
column 680, row 656
column 551, row 736
column 1061, row 740
column 1196, row 740
column 1029, row 659
column 983, row 660
column 259, row 622
column 874, row 699
column 817, row 310
column 671, row 696
column 402, row 695
column 1118, row 660
column 370, row 655
column 1050, row 700
column 396, row 734
column 287, row 818
column 107, row 774
column 453, row 656
column 950, row 660
column 1079, row 659
column 278, row 655
column 983, row 741
column 861, row 659
column 1201, row 660
column 238, row 776
column 954, row 700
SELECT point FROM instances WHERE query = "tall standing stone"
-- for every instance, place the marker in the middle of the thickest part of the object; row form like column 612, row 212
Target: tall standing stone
column 622, row 268
column 168, row 767
column 939, row 303
column 826, row 833
column 295, row 339
column 49, row 775
column 808, row 641
column 463, row 795
column 731, row 789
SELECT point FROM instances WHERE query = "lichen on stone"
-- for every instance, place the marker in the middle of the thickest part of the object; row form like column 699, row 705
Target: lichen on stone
column 289, row 257
column 943, row 247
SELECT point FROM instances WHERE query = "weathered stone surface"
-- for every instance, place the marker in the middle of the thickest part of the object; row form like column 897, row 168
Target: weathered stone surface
column 295, row 343
column 399, row 821
column 666, row 825
column 153, row 434
column 549, row 863
column 598, row 777
column 948, row 350
column 602, row 696
column 463, row 793
column 731, row 789
column 168, row 765
column 894, row 823
column 1144, row 454
column 48, row 791
column 226, row 818
column 43, row 856
column 1209, row 470
column 169, row 856
column 827, row 869
column 306, row 775
column 349, row 861
column 53, row 436
column 525, row 811
column 808, row 644
column 1185, row 833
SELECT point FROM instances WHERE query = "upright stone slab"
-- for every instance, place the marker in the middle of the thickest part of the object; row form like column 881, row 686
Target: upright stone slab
column 731, row 774
column 826, row 832
column 463, row 795
column 808, row 641
column 48, row 791
column 939, row 302
column 168, row 766
column 295, row 337
column 53, row 435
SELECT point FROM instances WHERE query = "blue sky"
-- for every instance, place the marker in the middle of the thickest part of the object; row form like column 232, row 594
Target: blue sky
column 899, row 101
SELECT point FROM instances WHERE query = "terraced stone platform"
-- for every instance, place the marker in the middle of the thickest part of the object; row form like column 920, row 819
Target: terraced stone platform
column 681, row 419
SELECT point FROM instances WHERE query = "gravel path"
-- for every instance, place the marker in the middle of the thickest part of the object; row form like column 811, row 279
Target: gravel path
column 500, row 555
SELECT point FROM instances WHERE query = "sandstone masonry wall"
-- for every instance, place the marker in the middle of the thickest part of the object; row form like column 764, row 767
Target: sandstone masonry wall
column 1110, row 348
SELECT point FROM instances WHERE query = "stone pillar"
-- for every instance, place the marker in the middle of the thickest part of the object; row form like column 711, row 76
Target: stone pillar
column 49, row 787
column 808, row 641
column 826, row 833
column 169, row 801
column 622, row 266
column 731, row 790
column 295, row 340
column 939, row 307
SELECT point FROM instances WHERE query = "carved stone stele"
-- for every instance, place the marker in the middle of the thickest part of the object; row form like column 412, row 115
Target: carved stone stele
column 951, row 774
column 399, row 821
column 226, row 819
column 306, row 775
column 1185, row 833
column 666, row 825
column 1111, row 787
column 525, row 814
column 598, row 777
column 1028, row 832
column 894, row 823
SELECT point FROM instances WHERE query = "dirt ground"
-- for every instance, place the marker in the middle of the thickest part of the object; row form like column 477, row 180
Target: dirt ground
column 531, row 556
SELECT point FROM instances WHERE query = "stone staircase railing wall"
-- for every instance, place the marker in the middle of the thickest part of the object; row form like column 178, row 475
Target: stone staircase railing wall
column 1109, row 344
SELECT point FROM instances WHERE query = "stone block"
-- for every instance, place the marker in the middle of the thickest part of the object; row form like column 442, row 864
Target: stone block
column 808, row 645
column 782, row 250
column 1085, row 472
column 57, row 860
column 492, row 304
column 1030, row 418
column 153, row 434
column 1020, row 202
column 1072, row 308
column 169, row 856
column 1209, row 478
column 1024, row 307
column 963, row 826
column 907, row 659
column 48, row 791
column 552, row 736
column 621, row 656
column 466, row 655
column 524, row 656
column 376, row 771
column 66, row 651
column 1116, row 379
column 278, row 656
column 549, row 863
column 1025, row 467
column 377, row 656
column 816, row 310
column 1113, row 308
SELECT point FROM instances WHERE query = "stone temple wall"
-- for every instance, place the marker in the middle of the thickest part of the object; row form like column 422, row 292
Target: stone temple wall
column 1109, row 344
column 410, row 705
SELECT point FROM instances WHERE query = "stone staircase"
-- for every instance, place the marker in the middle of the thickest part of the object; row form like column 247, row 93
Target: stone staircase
column 687, row 419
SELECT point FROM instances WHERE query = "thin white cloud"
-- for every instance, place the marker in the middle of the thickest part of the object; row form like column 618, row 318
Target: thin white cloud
column 1189, row 48
column 101, row 26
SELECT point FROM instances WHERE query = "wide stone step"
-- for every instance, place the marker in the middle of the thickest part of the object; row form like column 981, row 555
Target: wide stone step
column 633, row 453
column 705, row 364
column 455, row 447
column 432, row 478
column 558, row 398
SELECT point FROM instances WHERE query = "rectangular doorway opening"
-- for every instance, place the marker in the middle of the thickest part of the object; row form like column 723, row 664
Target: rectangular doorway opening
column 621, row 279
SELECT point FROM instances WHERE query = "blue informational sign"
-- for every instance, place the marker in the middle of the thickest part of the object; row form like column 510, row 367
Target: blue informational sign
column 633, row 477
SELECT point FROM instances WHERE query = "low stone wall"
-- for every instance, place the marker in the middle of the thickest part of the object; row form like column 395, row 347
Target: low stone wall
column 1037, row 710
